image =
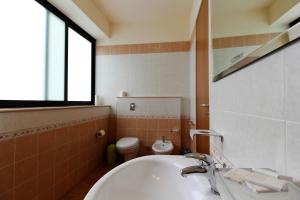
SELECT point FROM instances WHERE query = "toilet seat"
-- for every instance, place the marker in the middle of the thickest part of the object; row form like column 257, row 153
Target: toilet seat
column 127, row 143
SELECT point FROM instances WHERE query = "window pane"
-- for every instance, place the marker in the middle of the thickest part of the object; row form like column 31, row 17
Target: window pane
column 79, row 67
column 22, row 50
column 55, row 59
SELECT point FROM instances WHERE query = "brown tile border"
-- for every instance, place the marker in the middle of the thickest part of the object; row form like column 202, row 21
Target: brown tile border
column 240, row 41
column 144, row 48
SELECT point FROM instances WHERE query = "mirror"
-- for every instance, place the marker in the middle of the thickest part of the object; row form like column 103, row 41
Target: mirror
column 245, row 31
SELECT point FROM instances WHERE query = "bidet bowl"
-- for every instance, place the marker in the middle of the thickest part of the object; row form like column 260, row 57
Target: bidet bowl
column 161, row 147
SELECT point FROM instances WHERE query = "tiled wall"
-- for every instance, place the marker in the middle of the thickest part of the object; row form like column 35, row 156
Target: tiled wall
column 41, row 164
column 152, row 119
column 258, row 111
column 148, row 130
column 144, row 74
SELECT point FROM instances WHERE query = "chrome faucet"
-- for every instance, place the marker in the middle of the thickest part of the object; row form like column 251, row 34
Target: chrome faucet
column 163, row 138
column 206, row 165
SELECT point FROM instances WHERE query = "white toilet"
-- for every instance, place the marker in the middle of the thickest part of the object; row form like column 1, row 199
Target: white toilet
column 128, row 147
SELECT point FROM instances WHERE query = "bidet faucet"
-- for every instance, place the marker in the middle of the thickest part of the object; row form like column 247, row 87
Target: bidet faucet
column 207, row 164
column 163, row 138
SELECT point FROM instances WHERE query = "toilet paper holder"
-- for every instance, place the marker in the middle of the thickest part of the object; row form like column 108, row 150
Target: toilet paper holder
column 100, row 133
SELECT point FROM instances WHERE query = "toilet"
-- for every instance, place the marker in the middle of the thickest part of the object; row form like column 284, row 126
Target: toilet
column 128, row 147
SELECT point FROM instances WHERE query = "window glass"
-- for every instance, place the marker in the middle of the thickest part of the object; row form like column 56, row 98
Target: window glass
column 55, row 80
column 79, row 67
column 22, row 50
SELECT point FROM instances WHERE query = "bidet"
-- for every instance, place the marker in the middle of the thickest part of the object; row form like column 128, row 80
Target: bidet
column 162, row 147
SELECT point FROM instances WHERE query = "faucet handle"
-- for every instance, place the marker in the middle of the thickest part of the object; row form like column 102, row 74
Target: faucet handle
column 198, row 156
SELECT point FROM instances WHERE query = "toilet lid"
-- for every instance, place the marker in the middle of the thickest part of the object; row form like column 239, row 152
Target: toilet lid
column 127, row 142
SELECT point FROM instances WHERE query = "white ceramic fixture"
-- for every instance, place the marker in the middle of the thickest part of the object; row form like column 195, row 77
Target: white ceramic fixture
column 152, row 178
column 162, row 147
column 128, row 147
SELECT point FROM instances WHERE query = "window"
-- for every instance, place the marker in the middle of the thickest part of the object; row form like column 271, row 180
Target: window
column 45, row 58
column 79, row 76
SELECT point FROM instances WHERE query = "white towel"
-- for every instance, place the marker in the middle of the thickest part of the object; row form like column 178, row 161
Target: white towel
column 241, row 176
column 256, row 188
column 267, row 181
column 237, row 175
column 273, row 174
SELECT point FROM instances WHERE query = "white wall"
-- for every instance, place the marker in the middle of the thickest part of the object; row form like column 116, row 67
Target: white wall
column 153, row 74
column 258, row 111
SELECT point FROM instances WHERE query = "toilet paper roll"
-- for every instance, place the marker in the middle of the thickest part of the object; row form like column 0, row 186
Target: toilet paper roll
column 100, row 133
column 97, row 100
column 123, row 93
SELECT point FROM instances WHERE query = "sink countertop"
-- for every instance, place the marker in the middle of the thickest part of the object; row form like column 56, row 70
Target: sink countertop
column 231, row 190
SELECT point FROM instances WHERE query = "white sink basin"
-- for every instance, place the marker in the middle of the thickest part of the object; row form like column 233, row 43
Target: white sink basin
column 162, row 148
column 152, row 178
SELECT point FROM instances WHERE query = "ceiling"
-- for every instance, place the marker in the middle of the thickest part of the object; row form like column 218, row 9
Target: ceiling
column 144, row 11
column 242, row 17
column 227, row 6
column 277, row 12
column 133, row 21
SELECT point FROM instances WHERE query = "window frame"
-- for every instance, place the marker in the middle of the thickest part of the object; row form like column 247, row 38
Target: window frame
column 38, row 103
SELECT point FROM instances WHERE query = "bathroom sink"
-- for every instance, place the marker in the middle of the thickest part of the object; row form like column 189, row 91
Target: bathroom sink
column 152, row 178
